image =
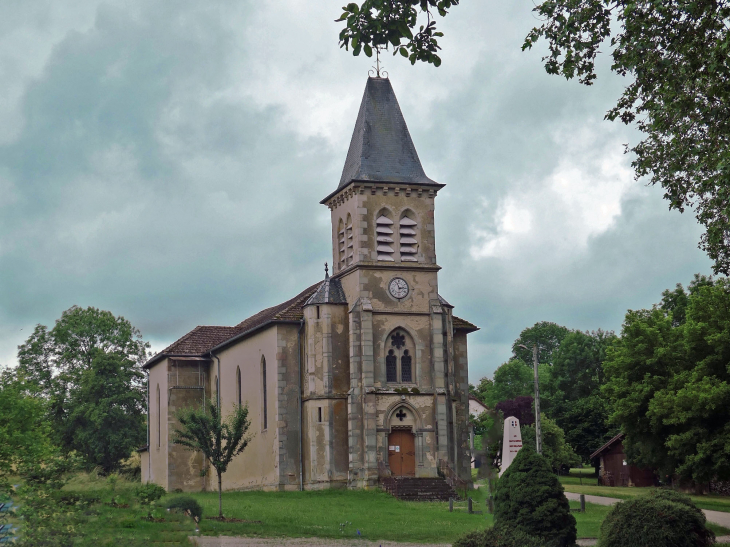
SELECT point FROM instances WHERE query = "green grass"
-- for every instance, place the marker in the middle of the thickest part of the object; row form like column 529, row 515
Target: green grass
column 710, row 501
column 377, row 515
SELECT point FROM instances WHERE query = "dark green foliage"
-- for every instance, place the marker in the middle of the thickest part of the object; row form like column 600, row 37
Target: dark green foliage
column 520, row 408
column 530, row 497
column 576, row 403
column 88, row 371
column 220, row 440
column 392, row 23
column 546, row 335
column 661, row 519
column 499, row 536
column 186, row 505
column 149, row 493
column 670, row 385
column 558, row 453
column 675, row 54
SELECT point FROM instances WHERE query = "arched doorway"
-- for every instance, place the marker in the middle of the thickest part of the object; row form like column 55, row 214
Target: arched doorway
column 402, row 453
column 402, row 442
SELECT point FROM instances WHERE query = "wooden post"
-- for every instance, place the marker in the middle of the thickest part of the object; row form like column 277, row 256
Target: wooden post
column 468, row 503
column 582, row 503
column 451, row 505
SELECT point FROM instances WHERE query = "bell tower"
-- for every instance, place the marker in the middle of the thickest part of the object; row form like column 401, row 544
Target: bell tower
column 400, row 329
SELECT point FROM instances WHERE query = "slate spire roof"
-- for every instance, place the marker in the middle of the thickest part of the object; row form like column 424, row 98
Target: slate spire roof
column 329, row 292
column 381, row 148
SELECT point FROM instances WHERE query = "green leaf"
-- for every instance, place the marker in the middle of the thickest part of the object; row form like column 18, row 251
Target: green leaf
column 368, row 50
column 436, row 61
column 405, row 31
column 404, row 52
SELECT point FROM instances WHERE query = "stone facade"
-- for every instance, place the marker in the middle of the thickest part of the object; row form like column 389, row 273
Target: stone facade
column 340, row 378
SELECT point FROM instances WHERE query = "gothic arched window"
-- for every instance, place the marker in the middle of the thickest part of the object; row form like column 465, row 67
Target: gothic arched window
column 399, row 366
column 349, row 240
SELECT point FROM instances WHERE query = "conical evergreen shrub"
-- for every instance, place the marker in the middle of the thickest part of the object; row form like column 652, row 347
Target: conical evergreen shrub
column 529, row 497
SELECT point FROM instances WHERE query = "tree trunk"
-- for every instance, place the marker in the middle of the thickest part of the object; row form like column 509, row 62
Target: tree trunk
column 220, row 496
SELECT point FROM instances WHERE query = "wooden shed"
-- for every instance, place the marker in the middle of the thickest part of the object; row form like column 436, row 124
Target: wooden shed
column 614, row 469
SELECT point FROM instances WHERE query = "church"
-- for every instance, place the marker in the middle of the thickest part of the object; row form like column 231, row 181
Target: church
column 362, row 376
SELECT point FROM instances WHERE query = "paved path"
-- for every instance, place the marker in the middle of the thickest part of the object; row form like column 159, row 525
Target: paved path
column 716, row 517
column 205, row 541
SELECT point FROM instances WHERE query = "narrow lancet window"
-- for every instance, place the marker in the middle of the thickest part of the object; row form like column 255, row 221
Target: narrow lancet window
column 349, row 240
column 406, row 367
column 391, row 366
column 263, row 389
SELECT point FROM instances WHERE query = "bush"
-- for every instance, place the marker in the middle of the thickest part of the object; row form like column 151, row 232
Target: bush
column 187, row 505
column 498, row 536
column 149, row 493
column 530, row 498
column 662, row 518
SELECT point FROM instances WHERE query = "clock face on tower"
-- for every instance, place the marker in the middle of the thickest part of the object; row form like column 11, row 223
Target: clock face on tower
column 398, row 288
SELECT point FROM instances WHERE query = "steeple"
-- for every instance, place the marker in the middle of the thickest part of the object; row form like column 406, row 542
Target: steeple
column 381, row 149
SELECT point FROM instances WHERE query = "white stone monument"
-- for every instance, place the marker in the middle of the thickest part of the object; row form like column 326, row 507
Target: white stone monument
column 511, row 442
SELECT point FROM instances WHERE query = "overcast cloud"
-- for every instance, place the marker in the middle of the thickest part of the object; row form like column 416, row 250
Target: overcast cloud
column 165, row 161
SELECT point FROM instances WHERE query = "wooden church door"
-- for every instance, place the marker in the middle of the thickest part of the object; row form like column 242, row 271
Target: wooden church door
column 402, row 454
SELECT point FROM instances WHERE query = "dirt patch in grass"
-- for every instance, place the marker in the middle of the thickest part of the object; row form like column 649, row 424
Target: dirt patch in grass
column 227, row 519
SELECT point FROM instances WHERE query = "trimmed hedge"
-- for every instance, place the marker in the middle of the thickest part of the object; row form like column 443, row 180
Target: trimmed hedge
column 498, row 536
column 530, row 498
column 662, row 518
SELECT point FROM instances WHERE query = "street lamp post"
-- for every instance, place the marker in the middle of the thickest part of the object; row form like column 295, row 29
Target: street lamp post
column 538, row 430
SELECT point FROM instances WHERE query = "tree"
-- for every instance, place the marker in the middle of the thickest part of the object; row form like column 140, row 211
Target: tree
column 546, row 335
column 670, row 386
column 382, row 24
column 519, row 407
column 24, row 429
column 676, row 54
column 220, row 440
column 512, row 379
column 576, row 403
column 530, row 497
column 555, row 449
column 106, row 419
column 58, row 365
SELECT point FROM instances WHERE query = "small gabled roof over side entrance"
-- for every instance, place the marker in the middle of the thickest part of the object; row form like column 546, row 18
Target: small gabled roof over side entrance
column 606, row 446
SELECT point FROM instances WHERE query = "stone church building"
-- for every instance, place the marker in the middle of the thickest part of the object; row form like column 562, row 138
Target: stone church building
column 359, row 377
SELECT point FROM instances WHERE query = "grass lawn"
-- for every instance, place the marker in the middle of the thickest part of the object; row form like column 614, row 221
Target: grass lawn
column 712, row 502
column 378, row 516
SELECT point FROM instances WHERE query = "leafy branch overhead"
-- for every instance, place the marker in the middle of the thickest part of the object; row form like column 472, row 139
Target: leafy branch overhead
column 677, row 57
column 385, row 24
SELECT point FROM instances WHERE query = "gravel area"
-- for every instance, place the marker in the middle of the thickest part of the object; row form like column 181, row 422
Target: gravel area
column 223, row 541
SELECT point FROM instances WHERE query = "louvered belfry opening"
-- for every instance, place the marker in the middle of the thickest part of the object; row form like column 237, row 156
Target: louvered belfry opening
column 384, row 237
column 349, row 241
column 341, row 244
column 408, row 242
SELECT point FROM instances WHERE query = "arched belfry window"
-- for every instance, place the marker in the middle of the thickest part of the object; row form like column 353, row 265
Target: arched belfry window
column 238, row 386
column 399, row 351
column 384, row 236
column 408, row 237
column 349, row 240
column 341, row 245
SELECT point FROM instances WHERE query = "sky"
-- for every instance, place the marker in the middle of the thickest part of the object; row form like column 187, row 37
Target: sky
column 165, row 161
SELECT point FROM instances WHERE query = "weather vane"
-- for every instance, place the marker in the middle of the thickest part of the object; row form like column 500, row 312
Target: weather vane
column 376, row 68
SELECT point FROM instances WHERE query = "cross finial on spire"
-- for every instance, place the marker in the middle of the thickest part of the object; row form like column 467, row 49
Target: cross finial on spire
column 326, row 270
column 376, row 68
